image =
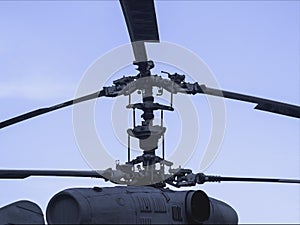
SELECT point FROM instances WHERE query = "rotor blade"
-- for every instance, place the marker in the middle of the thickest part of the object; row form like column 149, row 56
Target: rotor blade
column 41, row 111
column 141, row 23
column 202, row 178
column 22, row 174
column 262, row 104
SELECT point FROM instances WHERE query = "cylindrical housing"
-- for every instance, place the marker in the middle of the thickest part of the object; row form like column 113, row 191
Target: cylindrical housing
column 135, row 205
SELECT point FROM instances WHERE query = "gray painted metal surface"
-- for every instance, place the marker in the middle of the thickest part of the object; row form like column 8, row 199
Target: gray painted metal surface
column 136, row 205
column 21, row 212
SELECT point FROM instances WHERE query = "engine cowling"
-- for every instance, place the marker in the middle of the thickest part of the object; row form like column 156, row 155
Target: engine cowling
column 21, row 212
column 136, row 205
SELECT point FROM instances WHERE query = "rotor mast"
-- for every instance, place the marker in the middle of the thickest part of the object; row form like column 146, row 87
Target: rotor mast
column 147, row 133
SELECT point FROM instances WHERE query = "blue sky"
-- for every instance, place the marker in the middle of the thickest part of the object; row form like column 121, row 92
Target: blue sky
column 251, row 47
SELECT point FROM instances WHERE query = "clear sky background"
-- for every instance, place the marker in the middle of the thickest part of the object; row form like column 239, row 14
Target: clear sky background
column 251, row 47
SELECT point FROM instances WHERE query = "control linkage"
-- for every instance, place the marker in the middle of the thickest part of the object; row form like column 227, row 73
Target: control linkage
column 175, row 83
column 186, row 178
column 127, row 174
column 181, row 178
